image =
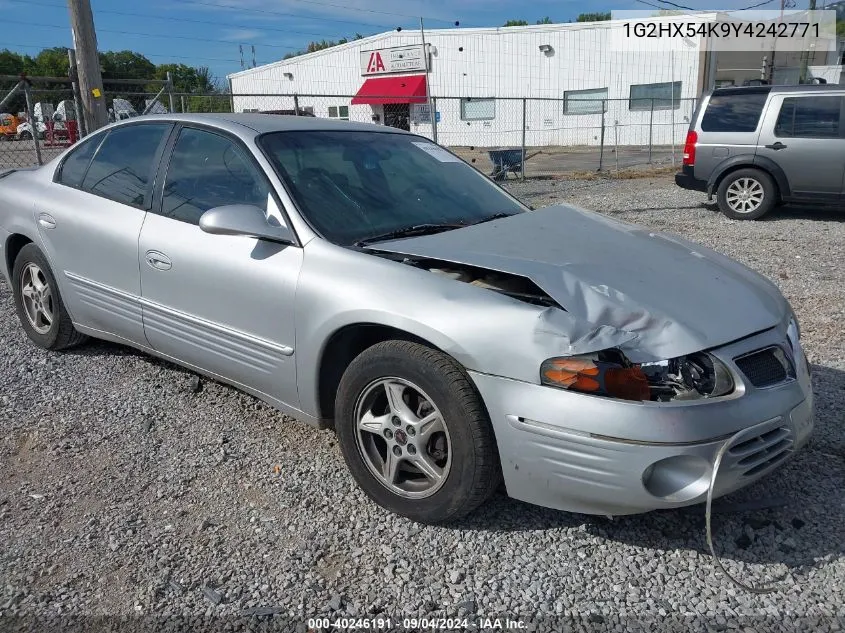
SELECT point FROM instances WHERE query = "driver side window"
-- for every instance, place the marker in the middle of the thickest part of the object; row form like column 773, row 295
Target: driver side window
column 207, row 170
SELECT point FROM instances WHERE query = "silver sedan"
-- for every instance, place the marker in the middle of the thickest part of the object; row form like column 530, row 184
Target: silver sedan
column 364, row 278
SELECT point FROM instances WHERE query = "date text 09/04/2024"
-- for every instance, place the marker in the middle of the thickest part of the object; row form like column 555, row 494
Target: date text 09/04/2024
column 722, row 29
column 415, row 624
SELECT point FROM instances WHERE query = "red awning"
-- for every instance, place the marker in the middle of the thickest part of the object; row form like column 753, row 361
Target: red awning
column 381, row 90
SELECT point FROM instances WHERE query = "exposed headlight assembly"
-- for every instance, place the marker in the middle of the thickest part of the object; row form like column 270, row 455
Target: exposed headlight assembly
column 609, row 373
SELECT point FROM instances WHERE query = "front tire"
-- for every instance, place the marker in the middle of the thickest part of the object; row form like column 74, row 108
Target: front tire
column 39, row 305
column 415, row 434
column 747, row 194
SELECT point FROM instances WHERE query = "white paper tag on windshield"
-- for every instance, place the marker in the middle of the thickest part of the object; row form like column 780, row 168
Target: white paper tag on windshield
column 436, row 152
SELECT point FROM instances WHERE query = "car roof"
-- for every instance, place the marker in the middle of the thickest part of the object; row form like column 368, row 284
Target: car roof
column 250, row 124
column 738, row 90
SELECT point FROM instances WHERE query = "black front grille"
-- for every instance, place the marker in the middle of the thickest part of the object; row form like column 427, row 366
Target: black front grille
column 764, row 368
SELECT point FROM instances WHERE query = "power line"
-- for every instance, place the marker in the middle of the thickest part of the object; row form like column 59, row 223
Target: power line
column 138, row 33
column 176, row 19
column 288, row 15
column 679, row 6
column 401, row 15
column 163, row 56
column 759, row 4
column 656, row 6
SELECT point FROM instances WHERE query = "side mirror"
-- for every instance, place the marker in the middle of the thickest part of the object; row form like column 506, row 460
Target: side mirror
column 246, row 220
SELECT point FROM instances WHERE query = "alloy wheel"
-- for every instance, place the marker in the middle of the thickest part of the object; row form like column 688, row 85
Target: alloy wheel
column 37, row 298
column 403, row 438
column 745, row 195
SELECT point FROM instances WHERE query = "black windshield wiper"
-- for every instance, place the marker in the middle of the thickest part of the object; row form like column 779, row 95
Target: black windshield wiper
column 408, row 231
column 495, row 216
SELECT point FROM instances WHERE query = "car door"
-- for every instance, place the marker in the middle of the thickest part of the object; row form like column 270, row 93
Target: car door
column 804, row 134
column 220, row 303
column 89, row 219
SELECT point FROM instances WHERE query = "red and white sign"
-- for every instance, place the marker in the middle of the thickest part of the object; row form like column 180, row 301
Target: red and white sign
column 400, row 59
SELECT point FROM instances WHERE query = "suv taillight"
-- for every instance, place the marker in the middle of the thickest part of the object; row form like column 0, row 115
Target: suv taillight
column 689, row 147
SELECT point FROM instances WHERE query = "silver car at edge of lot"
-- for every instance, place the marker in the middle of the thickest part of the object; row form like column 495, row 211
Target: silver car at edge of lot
column 363, row 277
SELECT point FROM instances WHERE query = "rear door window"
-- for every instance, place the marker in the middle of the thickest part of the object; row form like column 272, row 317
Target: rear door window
column 809, row 117
column 123, row 167
column 733, row 112
column 76, row 164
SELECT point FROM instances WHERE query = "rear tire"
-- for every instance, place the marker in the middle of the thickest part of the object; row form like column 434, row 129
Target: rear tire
column 747, row 194
column 25, row 136
column 39, row 305
column 385, row 398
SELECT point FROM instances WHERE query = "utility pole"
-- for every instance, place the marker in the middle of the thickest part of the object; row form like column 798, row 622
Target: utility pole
column 805, row 54
column 88, row 64
column 432, row 114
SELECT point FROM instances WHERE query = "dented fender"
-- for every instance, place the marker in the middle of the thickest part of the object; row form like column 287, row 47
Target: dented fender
column 483, row 330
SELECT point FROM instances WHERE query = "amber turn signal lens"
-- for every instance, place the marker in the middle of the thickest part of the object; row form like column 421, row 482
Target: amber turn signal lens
column 589, row 376
column 573, row 373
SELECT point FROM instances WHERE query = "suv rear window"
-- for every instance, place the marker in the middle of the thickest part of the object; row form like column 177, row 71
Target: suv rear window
column 733, row 112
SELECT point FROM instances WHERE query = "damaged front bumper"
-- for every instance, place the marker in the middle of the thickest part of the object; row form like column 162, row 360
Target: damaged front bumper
column 598, row 455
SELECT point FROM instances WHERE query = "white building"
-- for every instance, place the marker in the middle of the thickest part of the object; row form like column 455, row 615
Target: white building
column 568, row 83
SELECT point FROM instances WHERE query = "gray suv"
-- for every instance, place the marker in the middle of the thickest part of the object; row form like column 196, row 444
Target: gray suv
column 759, row 146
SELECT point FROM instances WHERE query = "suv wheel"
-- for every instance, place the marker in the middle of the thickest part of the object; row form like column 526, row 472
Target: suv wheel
column 414, row 432
column 746, row 194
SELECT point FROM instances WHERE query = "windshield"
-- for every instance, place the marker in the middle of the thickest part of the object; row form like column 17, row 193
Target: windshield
column 354, row 185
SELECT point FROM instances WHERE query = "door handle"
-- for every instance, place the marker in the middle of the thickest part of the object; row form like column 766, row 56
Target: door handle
column 776, row 146
column 47, row 221
column 158, row 260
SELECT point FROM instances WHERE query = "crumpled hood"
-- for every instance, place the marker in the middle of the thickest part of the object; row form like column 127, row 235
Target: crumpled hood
column 651, row 294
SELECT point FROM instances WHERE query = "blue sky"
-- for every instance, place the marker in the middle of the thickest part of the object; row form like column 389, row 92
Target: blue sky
column 208, row 32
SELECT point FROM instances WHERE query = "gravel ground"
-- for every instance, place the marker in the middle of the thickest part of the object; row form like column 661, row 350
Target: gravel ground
column 131, row 488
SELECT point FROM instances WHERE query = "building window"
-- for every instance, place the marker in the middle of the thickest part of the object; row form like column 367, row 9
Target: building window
column 662, row 96
column 339, row 112
column 593, row 101
column 478, row 109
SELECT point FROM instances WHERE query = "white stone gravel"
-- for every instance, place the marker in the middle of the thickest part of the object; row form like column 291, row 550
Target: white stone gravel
column 125, row 491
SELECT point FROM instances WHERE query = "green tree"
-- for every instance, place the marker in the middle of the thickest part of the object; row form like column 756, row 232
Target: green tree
column 315, row 46
column 545, row 20
column 50, row 62
column 516, row 23
column 184, row 77
column 12, row 63
column 593, row 17
column 125, row 65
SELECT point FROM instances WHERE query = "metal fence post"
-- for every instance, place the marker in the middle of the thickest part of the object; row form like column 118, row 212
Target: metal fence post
column 524, row 100
column 650, row 129
column 170, row 90
column 601, row 148
column 433, row 114
column 184, row 104
column 31, row 114
column 11, row 94
column 77, row 96
column 295, row 105
column 673, row 131
column 616, row 142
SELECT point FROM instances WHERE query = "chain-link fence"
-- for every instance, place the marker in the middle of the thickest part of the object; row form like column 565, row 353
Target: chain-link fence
column 503, row 137
column 554, row 136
